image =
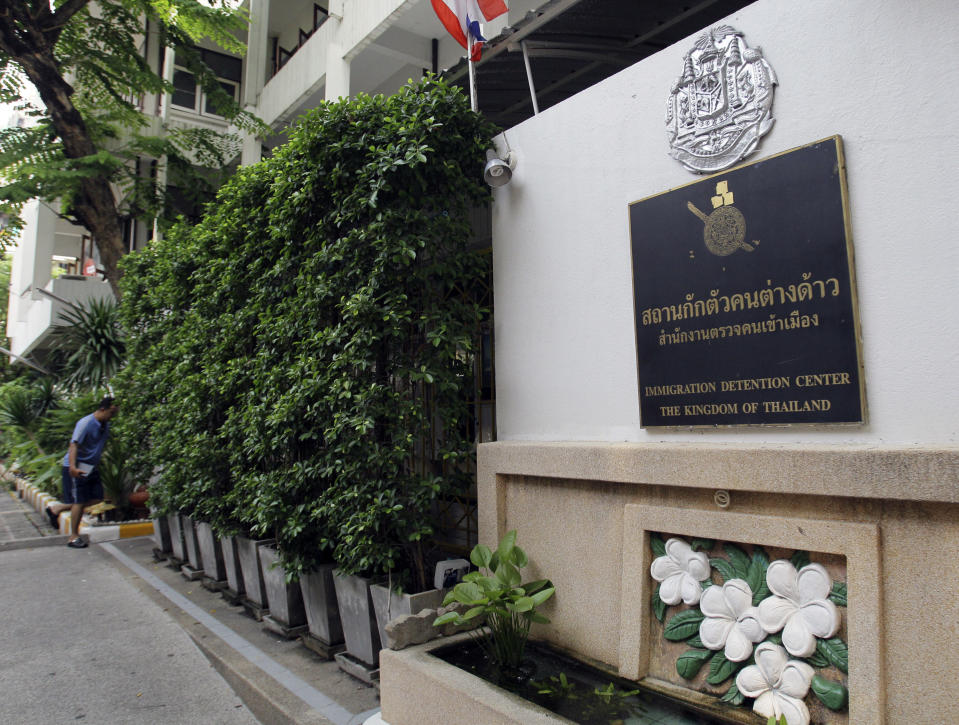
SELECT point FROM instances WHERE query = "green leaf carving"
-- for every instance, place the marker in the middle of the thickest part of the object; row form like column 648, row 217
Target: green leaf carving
column 725, row 569
column 733, row 696
column 832, row 694
column 695, row 642
column 836, row 651
column 817, row 660
column 702, row 544
column 756, row 578
column 799, row 559
column 659, row 606
column 683, row 625
column 838, row 594
column 738, row 559
column 721, row 669
column 691, row 661
column 657, row 544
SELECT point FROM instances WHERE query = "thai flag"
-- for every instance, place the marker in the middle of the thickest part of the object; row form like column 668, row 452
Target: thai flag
column 462, row 19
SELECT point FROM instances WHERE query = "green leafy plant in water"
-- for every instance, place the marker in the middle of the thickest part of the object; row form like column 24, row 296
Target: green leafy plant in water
column 497, row 593
column 599, row 703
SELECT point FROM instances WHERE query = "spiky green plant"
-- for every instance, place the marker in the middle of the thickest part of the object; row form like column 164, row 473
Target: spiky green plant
column 92, row 341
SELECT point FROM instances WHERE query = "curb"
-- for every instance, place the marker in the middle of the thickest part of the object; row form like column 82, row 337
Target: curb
column 38, row 541
column 95, row 534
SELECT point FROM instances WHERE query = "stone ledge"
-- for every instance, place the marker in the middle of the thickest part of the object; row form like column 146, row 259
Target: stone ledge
column 911, row 473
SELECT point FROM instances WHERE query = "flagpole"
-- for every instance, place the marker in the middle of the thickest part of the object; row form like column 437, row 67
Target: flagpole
column 472, row 76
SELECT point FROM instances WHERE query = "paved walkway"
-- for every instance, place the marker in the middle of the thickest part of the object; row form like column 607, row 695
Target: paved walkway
column 109, row 635
column 18, row 521
column 80, row 643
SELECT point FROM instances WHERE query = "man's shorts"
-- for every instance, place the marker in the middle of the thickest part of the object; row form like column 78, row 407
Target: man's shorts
column 81, row 489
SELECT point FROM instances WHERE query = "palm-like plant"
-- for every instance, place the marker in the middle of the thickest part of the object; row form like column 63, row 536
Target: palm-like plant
column 93, row 342
column 116, row 475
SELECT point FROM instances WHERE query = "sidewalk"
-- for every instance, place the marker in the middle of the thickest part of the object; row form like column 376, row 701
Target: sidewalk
column 279, row 681
column 21, row 526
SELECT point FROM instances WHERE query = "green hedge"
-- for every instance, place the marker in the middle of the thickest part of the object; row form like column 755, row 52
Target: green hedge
column 282, row 352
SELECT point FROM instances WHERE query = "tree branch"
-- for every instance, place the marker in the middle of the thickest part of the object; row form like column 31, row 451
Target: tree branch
column 56, row 22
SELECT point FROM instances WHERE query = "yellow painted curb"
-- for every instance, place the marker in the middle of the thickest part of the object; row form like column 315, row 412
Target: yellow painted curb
column 138, row 528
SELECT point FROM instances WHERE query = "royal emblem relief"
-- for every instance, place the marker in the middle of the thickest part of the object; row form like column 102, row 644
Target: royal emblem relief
column 722, row 104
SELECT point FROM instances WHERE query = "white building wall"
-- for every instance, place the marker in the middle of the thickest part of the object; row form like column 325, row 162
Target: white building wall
column 876, row 72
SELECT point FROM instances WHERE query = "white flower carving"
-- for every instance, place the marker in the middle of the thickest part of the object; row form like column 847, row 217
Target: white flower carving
column 800, row 606
column 680, row 572
column 778, row 684
column 732, row 622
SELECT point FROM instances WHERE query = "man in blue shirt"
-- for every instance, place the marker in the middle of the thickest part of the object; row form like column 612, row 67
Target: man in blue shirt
column 80, row 477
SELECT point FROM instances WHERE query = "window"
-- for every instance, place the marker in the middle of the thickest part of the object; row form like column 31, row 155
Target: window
column 188, row 94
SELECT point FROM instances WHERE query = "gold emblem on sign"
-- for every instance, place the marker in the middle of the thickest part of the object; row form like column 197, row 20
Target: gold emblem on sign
column 725, row 226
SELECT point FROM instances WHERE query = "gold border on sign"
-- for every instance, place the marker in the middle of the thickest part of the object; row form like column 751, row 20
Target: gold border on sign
column 853, row 293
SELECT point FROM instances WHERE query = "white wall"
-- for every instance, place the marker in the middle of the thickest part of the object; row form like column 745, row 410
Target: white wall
column 881, row 74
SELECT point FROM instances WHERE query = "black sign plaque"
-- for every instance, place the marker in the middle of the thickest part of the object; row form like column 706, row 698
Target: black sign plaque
column 745, row 297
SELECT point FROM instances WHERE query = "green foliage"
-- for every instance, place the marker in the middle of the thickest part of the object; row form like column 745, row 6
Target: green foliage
column 721, row 669
column 733, row 696
column 36, row 421
column 90, row 342
column 95, row 122
column 293, row 353
column 592, row 704
column 659, row 606
column 832, row 694
column 836, row 651
column 116, row 475
column 690, row 662
column 683, row 625
column 497, row 593
column 838, row 594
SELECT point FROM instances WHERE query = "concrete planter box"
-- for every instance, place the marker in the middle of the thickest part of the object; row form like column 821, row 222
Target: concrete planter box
column 389, row 605
column 319, row 600
column 447, row 694
column 192, row 546
column 358, row 617
column 231, row 563
column 286, row 600
column 210, row 552
column 176, row 536
column 161, row 534
column 247, row 550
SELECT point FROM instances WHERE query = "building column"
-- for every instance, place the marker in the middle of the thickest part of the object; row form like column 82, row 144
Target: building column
column 337, row 73
column 255, row 67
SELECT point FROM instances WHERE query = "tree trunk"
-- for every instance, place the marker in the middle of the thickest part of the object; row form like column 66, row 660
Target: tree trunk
column 95, row 206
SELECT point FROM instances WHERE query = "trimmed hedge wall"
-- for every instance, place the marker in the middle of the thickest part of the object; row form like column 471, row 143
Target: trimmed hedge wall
column 282, row 351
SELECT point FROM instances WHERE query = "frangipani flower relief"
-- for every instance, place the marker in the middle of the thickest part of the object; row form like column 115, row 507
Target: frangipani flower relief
column 732, row 622
column 680, row 573
column 799, row 606
column 777, row 683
